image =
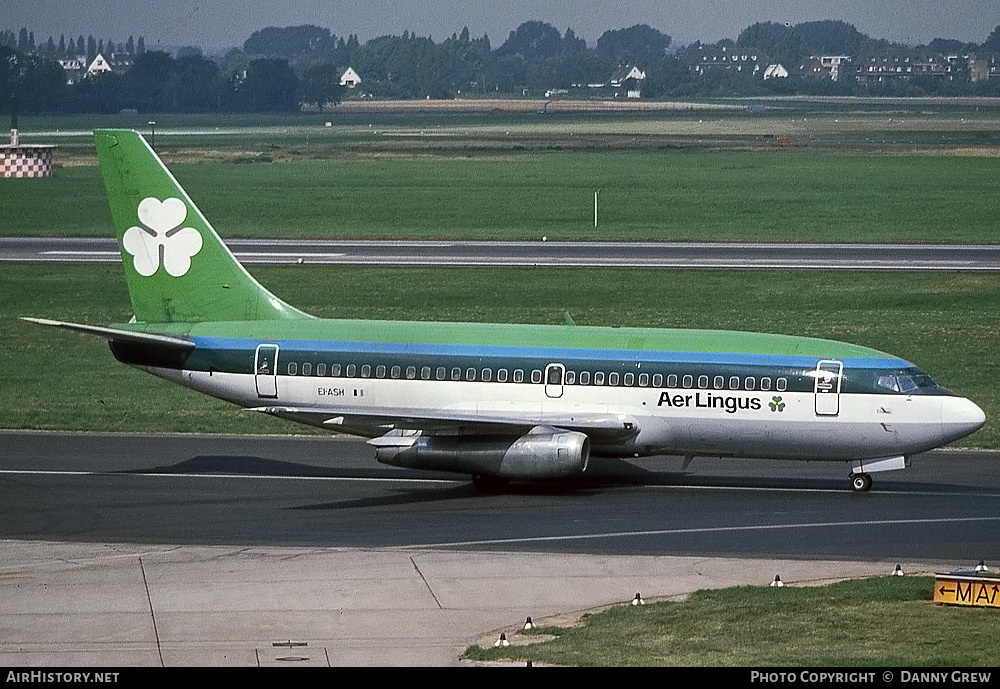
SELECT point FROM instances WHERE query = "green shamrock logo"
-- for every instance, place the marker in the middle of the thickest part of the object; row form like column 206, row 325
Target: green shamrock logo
column 776, row 404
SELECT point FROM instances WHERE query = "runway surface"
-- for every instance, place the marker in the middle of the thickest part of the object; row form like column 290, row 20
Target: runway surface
column 327, row 492
column 708, row 256
column 196, row 550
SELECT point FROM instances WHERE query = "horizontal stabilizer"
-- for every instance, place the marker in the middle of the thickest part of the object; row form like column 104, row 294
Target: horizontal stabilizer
column 115, row 335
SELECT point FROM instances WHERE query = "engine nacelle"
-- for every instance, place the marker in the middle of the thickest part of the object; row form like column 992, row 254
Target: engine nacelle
column 542, row 453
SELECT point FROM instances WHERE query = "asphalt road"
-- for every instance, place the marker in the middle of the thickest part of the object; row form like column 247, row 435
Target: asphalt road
column 325, row 492
column 722, row 255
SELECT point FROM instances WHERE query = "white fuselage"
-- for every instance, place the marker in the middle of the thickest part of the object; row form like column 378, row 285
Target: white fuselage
column 668, row 420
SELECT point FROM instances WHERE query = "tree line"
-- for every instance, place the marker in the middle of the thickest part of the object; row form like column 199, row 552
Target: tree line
column 280, row 69
column 24, row 43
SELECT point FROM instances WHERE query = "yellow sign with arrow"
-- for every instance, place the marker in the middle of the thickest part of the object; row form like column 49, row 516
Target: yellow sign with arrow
column 967, row 589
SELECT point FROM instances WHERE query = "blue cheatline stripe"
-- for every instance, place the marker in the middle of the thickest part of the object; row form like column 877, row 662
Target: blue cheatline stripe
column 561, row 354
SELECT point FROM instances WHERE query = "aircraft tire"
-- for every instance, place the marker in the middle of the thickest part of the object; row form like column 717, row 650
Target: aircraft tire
column 861, row 482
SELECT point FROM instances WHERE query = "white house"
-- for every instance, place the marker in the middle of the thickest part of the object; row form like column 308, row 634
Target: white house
column 630, row 78
column 625, row 73
column 775, row 71
column 98, row 66
column 74, row 67
column 350, row 78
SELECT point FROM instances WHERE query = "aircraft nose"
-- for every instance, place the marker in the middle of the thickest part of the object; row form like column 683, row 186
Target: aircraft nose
column 960, row 417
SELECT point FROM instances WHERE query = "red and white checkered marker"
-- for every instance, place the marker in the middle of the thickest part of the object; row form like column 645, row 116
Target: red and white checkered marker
column 18, row 162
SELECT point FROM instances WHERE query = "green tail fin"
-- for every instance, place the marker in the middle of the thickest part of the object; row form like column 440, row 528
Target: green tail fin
column 176, row 266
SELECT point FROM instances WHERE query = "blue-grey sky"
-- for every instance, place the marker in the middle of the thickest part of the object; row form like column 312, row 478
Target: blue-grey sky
column 220, row 23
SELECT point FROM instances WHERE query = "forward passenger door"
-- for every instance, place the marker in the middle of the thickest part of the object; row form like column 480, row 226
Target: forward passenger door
column 826, row 387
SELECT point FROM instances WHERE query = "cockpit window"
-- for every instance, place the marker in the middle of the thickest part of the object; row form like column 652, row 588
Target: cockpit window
column 889, row 383
column 906, row 382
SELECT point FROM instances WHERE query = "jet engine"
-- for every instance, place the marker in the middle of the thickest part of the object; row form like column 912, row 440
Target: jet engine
column 543, row 452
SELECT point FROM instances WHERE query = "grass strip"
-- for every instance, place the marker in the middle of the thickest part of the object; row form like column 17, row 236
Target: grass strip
column 880, row 622
column 643, row 196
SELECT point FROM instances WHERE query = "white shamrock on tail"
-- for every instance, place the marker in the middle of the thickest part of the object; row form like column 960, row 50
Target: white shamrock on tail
column 162, row 240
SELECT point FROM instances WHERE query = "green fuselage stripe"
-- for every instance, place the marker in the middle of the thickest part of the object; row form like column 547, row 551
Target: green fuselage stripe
column 518, row 335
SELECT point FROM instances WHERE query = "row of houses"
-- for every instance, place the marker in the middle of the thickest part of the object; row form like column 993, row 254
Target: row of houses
column 866, row 67
column 77, row 68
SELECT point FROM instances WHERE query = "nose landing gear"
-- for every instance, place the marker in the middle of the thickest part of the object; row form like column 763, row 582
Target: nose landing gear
column 862, row 469
column 861, row 482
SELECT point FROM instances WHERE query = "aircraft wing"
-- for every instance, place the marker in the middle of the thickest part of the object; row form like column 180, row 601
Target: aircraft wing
column 605, row 427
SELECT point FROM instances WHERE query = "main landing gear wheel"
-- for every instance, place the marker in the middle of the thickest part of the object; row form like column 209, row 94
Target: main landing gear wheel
column 861, row 482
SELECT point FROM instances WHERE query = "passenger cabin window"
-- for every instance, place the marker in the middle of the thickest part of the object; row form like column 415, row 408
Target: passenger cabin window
column 750, row 383
column 628, row 379
column 366, row 371
column 599, row 378
column 487, row 375
column 671, row 380
column 307, row 369
column 411, row 372
column 456, row 373
column 658, row 381
column 441, row 372
column 536, row 376
column 734, row 383
column 293, row 368
column 644, row 380
column 470, row 374
column 502, row 375
column 518, row 375
column 584, row 377
column 351, row 370
column 395, row 372
column 687, row 381
column 570, row 377
column 335, row 370
column 782, row 384
column 320, row 369
column 379, row 372
column 719, row 382
column 765, row 383
column 702, row 382
column 425, row 373
column 613, row 378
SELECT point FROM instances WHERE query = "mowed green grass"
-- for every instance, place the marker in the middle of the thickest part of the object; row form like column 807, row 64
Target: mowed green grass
column 883, row 622
column 943, row 322
column 668, row 196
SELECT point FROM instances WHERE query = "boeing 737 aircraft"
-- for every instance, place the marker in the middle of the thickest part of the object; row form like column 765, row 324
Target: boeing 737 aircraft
column 498, row 402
